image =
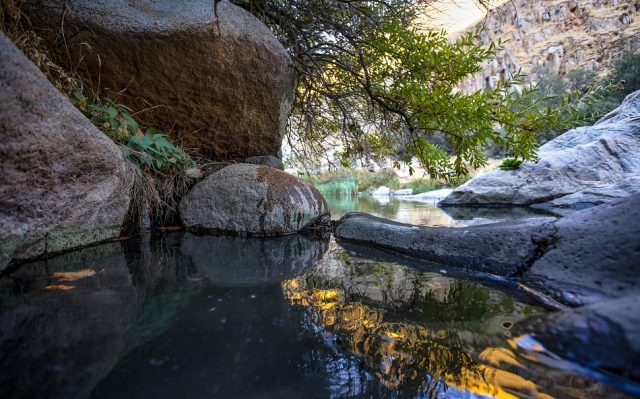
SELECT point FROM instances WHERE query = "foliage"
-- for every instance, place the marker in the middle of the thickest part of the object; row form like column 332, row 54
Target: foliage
column 150, row 149
column 625, row 76
column 598, row 94
column 348, row 182
column 368, row 76
column 423, row 184
column 510, row 163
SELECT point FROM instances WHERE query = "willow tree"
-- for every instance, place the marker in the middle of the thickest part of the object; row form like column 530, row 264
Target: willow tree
column 369, row 76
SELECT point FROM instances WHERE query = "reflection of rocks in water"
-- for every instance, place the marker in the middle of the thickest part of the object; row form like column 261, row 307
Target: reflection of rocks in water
column 226, row 260
column 164, row 279
column 471, row 216
column 63, row 322
column 420, row 333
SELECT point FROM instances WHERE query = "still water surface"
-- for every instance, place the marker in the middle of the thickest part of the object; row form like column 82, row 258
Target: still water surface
column 184, row 316
column 424, row 213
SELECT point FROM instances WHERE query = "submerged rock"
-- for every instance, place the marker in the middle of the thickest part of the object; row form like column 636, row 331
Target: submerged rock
column 249, row 199
column 603, row 336
column 222, row 86
column 63, row 183
column 598, row 157
column 591, row 255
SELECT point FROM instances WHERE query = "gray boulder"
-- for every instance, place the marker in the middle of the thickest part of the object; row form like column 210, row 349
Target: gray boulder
column 63, row 184
column 593, row 196
column 584, row 258
column 266, row 160
column 504, row 248
column 599, row 156
column 249, row 199
column 223, row 87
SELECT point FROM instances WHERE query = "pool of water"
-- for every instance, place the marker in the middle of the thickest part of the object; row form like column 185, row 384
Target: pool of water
column 184, row 316
column 424, row 213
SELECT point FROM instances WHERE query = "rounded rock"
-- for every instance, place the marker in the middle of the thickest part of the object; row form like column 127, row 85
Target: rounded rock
column 255, row 200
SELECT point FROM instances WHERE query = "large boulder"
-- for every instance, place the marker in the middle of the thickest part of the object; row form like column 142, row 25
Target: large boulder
column 505, row 248
column 248, row 199
column 63, row 184
column 584, row 258
column 222, row 86
column 597, row 157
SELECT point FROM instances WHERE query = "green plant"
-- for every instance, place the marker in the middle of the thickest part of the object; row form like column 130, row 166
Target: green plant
column 154, row 151
column 151, row 149
column 510, row 163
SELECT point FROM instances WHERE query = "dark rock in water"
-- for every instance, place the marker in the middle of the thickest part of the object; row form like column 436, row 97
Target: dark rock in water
column 502, row 248
column 233, row 261
column 247, row 199
column 587, row 161
column 63, row 184
column 266, row 160
column 222, row 86
column 591, row 255
column 595, row 254
column 602, row 336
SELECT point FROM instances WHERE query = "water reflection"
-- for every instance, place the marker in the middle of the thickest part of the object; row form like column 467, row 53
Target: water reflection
column 420, row 334
column 187, row 316
column 66, row 323
column 390, row 208
column 422, row 213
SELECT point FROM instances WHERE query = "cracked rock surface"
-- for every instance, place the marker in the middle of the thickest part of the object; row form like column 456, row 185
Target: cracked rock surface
column 583, row 167
column 591, row 255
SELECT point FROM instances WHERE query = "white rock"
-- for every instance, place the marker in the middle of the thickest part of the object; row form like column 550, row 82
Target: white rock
column 382, row 191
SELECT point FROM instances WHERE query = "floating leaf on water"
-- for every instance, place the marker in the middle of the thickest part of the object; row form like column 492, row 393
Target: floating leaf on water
column 73, row 276
column 59, row 287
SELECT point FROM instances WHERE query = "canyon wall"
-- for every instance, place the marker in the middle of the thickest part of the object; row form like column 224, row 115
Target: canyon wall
column 557, row 36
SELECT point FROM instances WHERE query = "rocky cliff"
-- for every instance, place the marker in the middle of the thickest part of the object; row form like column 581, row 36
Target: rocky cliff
column 557, row 36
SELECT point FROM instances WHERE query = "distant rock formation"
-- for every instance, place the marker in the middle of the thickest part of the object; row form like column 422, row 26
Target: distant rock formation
column 222, row 87
column 560, row 36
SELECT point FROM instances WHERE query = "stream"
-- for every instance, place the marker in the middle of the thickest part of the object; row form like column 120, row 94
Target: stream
column 176, row 315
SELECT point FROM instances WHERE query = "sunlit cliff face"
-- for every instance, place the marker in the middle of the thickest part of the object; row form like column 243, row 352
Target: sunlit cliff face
column 419, row 333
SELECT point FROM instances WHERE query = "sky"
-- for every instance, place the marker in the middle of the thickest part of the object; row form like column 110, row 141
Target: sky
column 454, row 16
